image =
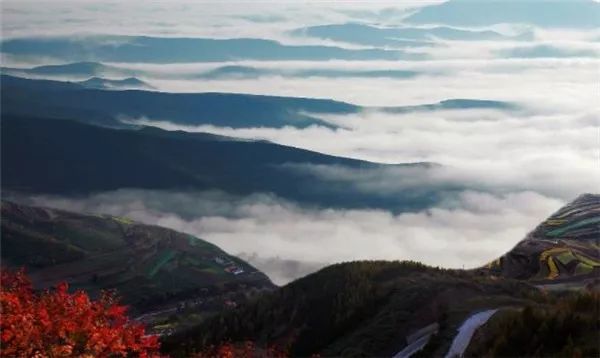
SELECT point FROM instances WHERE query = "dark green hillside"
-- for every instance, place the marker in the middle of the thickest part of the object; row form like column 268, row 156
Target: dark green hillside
column 86, row 102
column 54, row 99
column 150, row 266
column 68, row 157
column 565, row 327
column 357, row 309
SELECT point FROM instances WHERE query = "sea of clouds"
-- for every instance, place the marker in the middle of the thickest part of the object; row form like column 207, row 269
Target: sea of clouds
column 521, row 165
column 288, row 241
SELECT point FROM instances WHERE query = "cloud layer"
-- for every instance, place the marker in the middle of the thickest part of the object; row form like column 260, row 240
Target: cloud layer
column 288, row 241
column 550, row 83
column 217, row 19
column 520, row 165
column 554, row 154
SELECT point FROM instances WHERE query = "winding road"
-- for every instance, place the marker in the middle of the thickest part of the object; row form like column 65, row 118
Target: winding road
column 465, row 332
column 413, row 348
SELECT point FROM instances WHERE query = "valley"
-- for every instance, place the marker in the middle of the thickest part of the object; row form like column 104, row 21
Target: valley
column 234, row 179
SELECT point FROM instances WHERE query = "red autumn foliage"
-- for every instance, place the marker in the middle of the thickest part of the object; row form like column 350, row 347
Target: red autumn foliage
column 56, row 323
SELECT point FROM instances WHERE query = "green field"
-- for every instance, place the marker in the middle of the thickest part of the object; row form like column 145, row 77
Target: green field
column 566, row 257
column 562, row 230
column 583, row 268
column 587, row 260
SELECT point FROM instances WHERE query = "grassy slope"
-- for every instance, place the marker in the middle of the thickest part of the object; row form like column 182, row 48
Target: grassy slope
column 149, row 265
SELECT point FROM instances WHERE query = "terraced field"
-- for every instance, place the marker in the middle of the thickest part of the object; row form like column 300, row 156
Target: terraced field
column 564, row 247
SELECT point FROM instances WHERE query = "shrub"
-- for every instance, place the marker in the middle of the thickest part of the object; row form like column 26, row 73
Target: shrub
column 56, row 323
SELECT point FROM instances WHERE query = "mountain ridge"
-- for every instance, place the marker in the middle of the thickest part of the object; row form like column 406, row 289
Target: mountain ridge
column 129, row 83
column 48, row 98
column 557, row 14
column 67, row 157
column 366, row 34
column 185, row 49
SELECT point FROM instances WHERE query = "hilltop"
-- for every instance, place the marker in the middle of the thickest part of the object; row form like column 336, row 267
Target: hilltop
column 151, row 267
column 126, row 83
column 379, row 308
column 96, row 105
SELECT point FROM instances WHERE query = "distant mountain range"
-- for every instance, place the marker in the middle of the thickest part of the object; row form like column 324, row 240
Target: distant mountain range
column 54, row 99
column 182, row 50
column 400, row 36
column 43, row 154
column 70, row 157
column 547, row 51
column 75, row 69
column 233, row 71
column 79, row 70
column 42, row 98
column 560, row 14
column 124, row 84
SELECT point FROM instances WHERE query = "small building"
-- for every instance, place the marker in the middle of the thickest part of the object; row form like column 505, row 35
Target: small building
column 234, row 270
column 222, row 260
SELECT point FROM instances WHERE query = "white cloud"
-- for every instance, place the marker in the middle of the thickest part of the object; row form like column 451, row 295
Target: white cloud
column 217, row 19
column 554, row 154
column 548, row 83
column 523, row 164
column 288, row 241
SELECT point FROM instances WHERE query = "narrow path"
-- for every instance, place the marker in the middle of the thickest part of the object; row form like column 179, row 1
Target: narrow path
column 413, row 348
column 465, row 332
column 417, row 340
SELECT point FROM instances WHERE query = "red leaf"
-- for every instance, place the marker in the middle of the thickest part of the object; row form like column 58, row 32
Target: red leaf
column 61, row 323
